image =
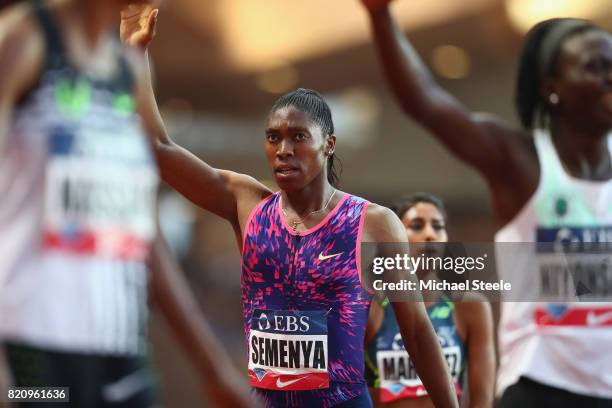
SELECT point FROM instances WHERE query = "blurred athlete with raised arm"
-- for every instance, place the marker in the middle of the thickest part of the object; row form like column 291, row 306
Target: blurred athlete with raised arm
column 78, row 226
column 550, row 180
column 305, row 309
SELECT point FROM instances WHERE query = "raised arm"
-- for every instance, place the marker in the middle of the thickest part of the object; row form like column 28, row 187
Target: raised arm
column 225, row 193
column 426, row 102
column 420, row 340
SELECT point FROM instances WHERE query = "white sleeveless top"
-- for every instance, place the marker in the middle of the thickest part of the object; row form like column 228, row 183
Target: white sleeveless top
column 567, row 345
column 78, row 187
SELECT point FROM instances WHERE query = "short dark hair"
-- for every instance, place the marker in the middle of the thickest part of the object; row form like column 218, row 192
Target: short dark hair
column 409, row 201
column 538, row 60
column 318, row 110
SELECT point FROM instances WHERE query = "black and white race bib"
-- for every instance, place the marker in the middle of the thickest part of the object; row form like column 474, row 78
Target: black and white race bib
column 288, row 350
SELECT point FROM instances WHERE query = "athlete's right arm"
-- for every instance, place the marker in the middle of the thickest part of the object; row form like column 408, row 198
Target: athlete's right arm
column 483, row 141
column 21, row 59
column 225, row 193
column 384, row 228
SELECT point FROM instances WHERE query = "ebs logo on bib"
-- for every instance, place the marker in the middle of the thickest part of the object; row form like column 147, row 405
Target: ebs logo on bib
column 288, row 350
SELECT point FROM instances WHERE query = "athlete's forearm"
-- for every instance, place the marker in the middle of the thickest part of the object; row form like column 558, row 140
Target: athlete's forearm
column 153, row 118
column 170, row 292
column 424, row 349
column 432, row 367
column 410, row 80
column 479, row 400
column 481, row 382
column 137, row 30
column 480, row 351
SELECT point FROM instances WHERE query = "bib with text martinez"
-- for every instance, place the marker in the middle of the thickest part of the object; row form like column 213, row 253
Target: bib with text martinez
column 398, row 376
column 288, row 350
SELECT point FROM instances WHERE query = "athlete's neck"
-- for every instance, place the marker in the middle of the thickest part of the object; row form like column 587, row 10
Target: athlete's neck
column 311, row 198
column 583, row 152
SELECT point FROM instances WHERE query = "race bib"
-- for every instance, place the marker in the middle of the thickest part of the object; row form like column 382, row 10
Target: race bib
column 288, row 350
column 100, row 194
column 399, row 379
column 575, row 264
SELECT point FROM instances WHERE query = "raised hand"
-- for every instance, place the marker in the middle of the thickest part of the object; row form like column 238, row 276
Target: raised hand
column 138, row 22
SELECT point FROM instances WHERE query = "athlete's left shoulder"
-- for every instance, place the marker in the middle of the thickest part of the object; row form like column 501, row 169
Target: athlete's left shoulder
column 473, row 311
column 377, row 212
column 471, row 303
column 382, row 225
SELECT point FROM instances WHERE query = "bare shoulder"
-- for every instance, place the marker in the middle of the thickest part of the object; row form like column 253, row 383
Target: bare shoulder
column 469, row 305
column 515, row 177
column 249, row 192
column 13, row 17
column 21, row 47
column 382, row 225
column 516, row 143
column 21, row 59
column 378, row 216
column 246, row 186
column 473, row 309
column 510, row 136
column 18, row 28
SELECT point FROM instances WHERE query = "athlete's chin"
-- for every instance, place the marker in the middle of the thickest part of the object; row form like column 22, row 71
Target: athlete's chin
column 289, row 183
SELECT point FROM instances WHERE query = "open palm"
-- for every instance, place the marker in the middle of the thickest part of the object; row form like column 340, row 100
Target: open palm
column 138, row 24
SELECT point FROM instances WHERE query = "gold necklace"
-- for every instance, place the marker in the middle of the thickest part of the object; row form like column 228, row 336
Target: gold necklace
column 298, row 221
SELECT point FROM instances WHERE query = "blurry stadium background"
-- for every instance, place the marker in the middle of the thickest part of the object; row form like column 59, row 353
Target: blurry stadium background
column 219, row 66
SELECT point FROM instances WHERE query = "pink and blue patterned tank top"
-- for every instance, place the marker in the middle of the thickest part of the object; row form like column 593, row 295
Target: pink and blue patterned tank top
column 305, row 311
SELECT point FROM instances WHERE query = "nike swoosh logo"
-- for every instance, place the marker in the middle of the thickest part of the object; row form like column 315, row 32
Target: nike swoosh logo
column 597, row 320
column 325, row 257
column 283, row 384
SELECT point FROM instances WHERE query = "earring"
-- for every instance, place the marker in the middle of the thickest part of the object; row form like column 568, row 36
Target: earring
column 553, row 98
